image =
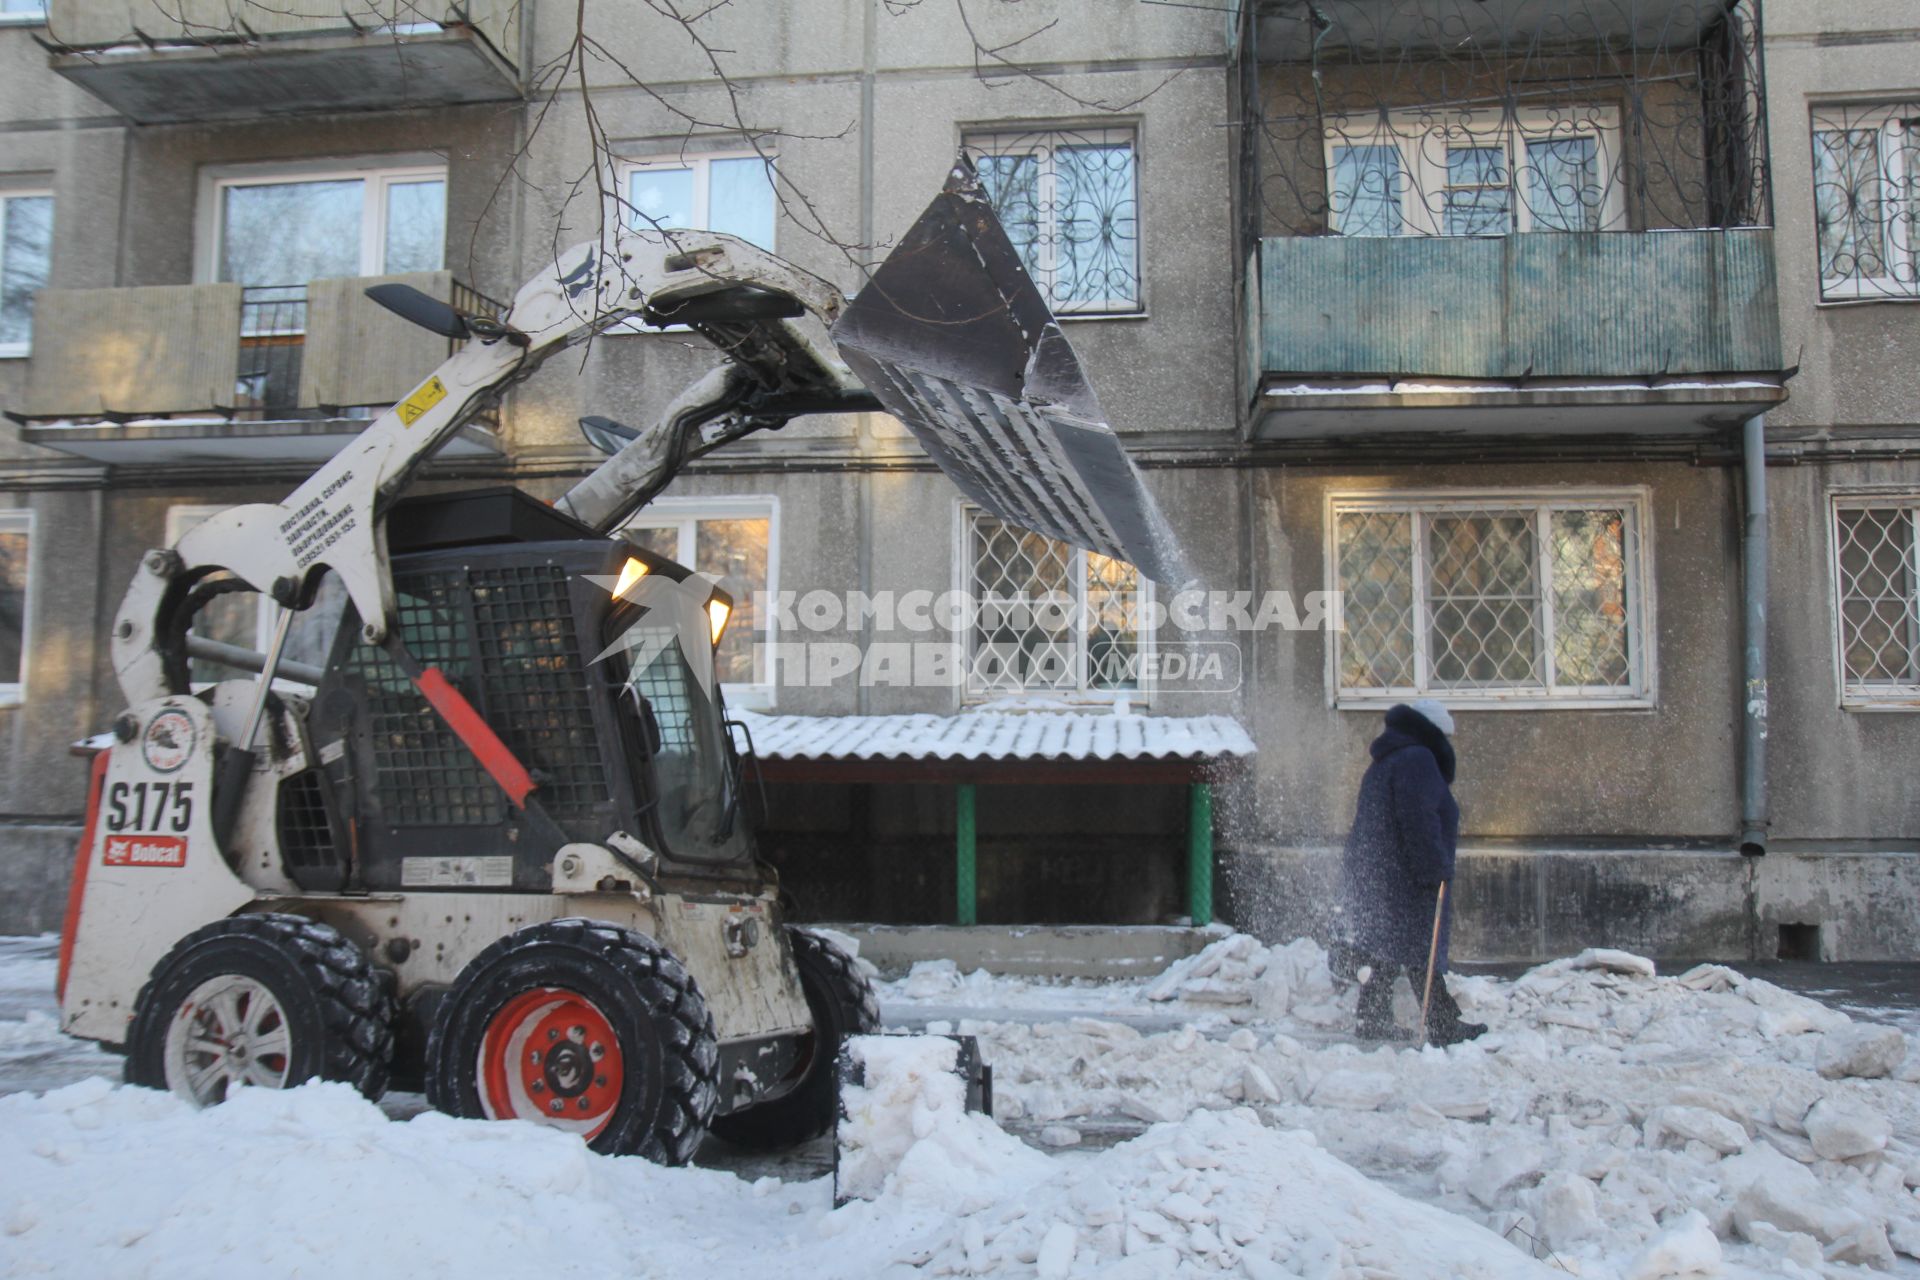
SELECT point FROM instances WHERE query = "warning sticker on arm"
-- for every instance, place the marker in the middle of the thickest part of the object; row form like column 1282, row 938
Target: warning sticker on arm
column 424, row 397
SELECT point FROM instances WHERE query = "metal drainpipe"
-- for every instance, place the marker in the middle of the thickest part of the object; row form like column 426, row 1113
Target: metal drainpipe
column 1754, row 817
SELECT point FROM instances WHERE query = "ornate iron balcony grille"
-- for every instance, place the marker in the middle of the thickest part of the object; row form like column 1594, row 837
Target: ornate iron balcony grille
column 1866, row 199
column 1466, row 118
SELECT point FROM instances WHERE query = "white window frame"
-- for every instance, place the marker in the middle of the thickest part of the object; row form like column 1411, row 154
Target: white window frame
column 1853, row 697
column 8, row 193
column 701, row 163
column 35, row 16
column 13, row 693
column 1637, row 551
column 684, row 515
column 1008, row 140
column 378, row 174
column 622, row 212
column 1415, row 135
column 1901, row 250
column 967, row 588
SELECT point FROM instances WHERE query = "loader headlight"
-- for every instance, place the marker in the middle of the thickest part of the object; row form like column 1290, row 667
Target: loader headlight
column 718, row 611
column 630, row 572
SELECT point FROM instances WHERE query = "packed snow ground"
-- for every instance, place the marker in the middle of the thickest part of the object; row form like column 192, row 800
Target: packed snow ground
column 1614, row 1123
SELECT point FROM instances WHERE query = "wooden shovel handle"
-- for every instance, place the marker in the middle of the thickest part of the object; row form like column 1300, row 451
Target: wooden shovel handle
column 1433, row 958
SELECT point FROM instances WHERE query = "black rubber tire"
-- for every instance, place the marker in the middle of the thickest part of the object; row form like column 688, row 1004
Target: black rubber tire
column 338, row 1010
column 843, row 1004
column 667, row 1042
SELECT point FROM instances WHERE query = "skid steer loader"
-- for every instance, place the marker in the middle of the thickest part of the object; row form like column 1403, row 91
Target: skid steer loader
column 495, row 847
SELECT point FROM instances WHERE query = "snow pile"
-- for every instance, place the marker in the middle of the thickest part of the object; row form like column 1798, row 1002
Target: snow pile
column 1615, row 1123
column 1217, row 1193
column 907, row 1130
column 99, row 1180
column 1607, row 1107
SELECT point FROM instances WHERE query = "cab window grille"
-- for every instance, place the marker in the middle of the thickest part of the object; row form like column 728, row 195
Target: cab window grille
column 663, row 683
column 536, row 683
column 306, row 837
column 423, row 774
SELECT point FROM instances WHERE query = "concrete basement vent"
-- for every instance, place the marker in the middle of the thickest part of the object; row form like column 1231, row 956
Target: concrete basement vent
column 1800, row 942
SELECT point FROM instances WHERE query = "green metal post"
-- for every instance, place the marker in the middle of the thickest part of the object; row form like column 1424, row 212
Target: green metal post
column 1200, row 853
column 965, row 883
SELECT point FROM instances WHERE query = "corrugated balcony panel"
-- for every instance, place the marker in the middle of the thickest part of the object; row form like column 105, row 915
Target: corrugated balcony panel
column 203, row 66
column 1545, row 305
column 359, row 353
column 164, row 349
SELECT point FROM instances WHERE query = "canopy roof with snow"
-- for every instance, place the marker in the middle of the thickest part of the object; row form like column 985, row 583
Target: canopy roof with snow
column 983, row 746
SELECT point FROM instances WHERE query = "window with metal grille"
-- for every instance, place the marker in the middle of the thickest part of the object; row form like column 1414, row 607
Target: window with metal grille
column 1069, row 200
column 1877, row 579
column 1491, row 599
column 1866, row 199
column 1048, row 617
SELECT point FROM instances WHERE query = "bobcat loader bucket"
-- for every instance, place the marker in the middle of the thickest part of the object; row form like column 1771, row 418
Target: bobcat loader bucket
column 954, row 339
column 894, row 1077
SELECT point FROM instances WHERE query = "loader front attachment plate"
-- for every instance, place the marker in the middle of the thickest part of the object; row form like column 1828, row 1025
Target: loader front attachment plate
column 865, row 1142
column 954, row 339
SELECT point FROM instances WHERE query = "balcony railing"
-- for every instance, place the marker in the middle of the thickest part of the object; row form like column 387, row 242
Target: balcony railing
column 205, row 361
column 160, row 61
column 273, row 331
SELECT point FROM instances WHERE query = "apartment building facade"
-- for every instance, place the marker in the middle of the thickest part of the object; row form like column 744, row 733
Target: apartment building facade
column 1576, row 435
column 1453, row 315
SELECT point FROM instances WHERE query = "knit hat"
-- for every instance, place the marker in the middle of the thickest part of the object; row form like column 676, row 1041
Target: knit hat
column 1434, row 714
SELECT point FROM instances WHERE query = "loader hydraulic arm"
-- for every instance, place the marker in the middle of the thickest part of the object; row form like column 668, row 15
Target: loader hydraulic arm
column 768, row 319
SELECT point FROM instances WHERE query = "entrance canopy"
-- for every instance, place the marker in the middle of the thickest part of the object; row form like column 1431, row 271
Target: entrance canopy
column 1014, row 747
column 998, row 747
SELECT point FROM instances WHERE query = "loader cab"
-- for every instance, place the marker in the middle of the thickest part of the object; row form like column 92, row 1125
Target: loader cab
column 583, row 654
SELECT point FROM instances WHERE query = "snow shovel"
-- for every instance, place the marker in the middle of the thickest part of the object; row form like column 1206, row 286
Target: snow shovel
column 954, row 339
column 1433, row 958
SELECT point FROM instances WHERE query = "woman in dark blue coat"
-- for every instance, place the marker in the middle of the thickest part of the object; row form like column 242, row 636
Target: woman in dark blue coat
column 1406, row 828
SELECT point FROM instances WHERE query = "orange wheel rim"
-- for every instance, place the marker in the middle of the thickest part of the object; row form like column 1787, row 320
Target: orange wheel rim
column 549, row 1055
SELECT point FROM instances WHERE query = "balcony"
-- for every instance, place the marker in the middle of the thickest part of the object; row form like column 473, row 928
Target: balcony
column 184, row 374
column 200, row 60
column 1656, row 332
column 1504, row 217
